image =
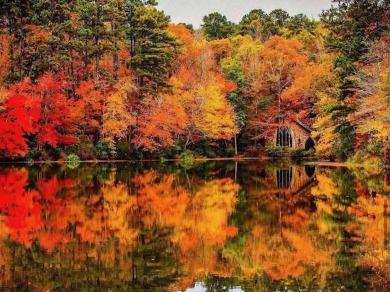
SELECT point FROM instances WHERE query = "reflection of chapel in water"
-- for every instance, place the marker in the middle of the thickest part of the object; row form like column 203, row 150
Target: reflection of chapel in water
column 295, row 180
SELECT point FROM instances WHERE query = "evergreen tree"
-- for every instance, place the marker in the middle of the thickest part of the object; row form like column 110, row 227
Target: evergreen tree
column 216, row 26
column 257, row 24
column 351, row 28
column 153, row 48
column 279, row 17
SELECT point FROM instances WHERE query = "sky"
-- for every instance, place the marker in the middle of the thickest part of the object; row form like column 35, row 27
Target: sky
column 192, row 11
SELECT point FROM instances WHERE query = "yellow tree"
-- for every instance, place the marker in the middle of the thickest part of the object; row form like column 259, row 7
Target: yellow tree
column 209, row 113
column 202, row 90
column 117, row 117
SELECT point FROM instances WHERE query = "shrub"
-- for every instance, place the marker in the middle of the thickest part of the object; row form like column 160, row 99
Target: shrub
column 186, row 159
column 311, row 153
column 210, row 153
column 84, row 148
column 102, row 150
column 72, row 161
column 298, row 153
column 34, row 154
column 374, row 147
column 230, row 151
column 123, row 149
column 274, row 151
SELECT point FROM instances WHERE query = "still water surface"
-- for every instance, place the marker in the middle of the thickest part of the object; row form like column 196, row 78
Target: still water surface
column 219, row 226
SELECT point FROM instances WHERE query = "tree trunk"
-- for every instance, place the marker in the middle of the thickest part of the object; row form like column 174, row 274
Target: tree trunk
column 235, row 145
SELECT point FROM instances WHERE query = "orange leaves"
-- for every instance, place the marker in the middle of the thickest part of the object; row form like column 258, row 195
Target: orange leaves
column 305, row 90
column 182, row 34
column 160, row 200
column 36, row 34
column 84, row 87
column 230, row 86
column 4, row 56
column 221, row 49
column 160, row 120
column 270, row 70
column 281, row 60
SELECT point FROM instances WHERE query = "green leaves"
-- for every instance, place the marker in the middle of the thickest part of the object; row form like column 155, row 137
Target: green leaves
column 216, row 26
column 154, row 48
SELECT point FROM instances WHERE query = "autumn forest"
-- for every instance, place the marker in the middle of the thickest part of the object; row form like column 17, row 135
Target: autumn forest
column 115, row 79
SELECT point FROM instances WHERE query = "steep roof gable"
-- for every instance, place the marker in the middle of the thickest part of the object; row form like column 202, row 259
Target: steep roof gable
column 303, row 126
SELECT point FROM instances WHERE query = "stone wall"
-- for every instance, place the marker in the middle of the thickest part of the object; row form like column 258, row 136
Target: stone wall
column 299, row 136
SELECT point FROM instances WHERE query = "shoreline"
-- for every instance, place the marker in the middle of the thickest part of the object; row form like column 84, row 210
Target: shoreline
column 308, row 161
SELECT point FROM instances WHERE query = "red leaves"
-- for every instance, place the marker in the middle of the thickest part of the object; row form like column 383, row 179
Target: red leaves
column 40, row 109
column 34, row 214
column 15, row 122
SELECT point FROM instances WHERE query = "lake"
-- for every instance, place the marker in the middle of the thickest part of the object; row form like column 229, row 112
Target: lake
column 217, row 226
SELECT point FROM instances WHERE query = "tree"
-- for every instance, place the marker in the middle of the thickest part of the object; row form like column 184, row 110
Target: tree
column 299, row 23
column 5, row 60
column 279, row 17
column 154, row 49
column 17, row 121
column 216, row 26
column 54, row 123
column 233, row 71
column 209, row 112
column 92, row 32
column 258, row 25
column 312, row 82
column 88, row 111
column 203, row 90
column 117, row 118
column 351, row 27
column 372, row 99
column 160, row 122
column 272, row 71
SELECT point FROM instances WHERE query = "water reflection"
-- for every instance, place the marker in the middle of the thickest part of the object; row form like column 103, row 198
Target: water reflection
column 215, row 227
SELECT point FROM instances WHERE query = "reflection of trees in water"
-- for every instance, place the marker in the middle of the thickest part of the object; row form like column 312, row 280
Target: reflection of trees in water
column 119, row 227
column 278, row 221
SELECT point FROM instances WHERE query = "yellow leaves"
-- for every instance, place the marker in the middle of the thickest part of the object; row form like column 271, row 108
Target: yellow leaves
column 118, row 205
column 214, row 116
column 199, row 89
column 116, row 115
column 372, row 117
column 325, row 125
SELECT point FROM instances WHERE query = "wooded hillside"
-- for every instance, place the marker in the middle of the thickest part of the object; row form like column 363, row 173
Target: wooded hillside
column 116, row 79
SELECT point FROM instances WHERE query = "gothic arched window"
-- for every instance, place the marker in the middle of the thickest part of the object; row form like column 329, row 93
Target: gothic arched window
column 283, row 137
